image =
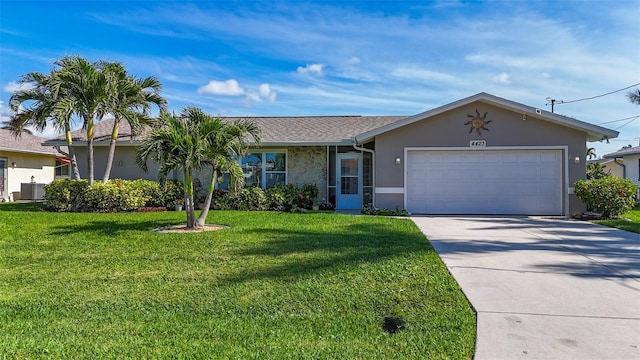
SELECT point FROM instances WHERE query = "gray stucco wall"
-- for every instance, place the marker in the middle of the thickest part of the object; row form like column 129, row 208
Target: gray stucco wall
column 448, row 130
column 124, row 163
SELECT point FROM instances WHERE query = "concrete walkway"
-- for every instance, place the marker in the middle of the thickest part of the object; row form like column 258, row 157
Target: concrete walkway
column 544, row 289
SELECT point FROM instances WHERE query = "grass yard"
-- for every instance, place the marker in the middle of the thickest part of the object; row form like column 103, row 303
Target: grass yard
column 271, row 286
column 629, row 221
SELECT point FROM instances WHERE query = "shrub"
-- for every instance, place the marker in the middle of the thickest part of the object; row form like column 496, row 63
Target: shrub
column 307, row 196
column 65, row 195
column 596, row 171
column 172, row 190
column 277, row 199
column 369, row 209
column 610, row 195
column 248, row 199
column 114, row 195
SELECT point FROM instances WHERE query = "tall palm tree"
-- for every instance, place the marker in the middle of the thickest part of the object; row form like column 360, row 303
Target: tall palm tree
column 634, row 96
column 591, row 153
column 86, row 94
column 130, row 100
column 193, row 141
column 40, row 105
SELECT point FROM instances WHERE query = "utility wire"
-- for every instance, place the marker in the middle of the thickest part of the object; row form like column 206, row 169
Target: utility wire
column 597, row 96
column 613, row 121
column 625, row 124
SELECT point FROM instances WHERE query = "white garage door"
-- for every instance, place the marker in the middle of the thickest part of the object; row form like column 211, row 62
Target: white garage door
column 514, row 182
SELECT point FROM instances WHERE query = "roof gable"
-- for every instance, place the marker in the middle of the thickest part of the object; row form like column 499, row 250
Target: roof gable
column 594, row 132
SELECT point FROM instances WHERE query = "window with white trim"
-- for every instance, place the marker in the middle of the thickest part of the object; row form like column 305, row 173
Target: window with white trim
column 265, row 169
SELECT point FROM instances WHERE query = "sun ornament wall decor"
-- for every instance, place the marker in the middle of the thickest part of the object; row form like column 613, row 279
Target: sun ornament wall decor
column 478, row 122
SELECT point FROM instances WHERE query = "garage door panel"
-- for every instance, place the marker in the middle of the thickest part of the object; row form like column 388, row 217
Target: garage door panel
column 485, row 182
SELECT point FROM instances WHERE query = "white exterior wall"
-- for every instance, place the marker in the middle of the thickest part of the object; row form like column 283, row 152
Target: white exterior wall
column 632, row 169
column 41, row 167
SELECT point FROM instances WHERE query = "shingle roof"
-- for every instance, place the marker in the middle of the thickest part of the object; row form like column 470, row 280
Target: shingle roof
column 25, row 143
column 275, row 130
column 635, row 150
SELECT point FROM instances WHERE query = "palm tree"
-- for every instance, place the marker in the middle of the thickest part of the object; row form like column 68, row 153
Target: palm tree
column 591, row 153
column 634, row 96
column 193, row 141
column 46, row 104
column 130, row 100
column 86, row 95
column 226, row 145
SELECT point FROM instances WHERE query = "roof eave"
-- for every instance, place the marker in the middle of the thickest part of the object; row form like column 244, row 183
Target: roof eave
column 27, row 151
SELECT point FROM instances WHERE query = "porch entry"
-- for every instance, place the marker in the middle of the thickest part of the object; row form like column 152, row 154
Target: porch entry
column 349, row 181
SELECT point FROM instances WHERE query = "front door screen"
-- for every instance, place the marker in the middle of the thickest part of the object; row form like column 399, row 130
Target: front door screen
column 349, row 176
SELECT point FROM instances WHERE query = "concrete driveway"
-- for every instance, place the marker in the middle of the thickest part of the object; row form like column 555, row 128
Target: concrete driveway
column 544, row 289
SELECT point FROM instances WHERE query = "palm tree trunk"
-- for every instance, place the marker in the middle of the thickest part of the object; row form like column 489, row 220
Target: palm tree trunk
column 112, row 151
column 188, row 201
column 72, row 154
column 90, row 174
column 207, row 201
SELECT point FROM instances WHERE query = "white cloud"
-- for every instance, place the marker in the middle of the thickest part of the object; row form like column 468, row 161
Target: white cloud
column 13, row 86
column 229, row 87
column 5, row 115
column 267, row 93
column 264, row 93
column 502, row 78
column 313, row 69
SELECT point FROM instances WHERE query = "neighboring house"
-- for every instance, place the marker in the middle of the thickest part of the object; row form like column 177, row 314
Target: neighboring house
column 24, row 159
column 478, row 155
column 610, row 166
column 630, row 159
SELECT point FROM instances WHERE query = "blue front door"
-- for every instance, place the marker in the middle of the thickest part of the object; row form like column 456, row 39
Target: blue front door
column 349, row 181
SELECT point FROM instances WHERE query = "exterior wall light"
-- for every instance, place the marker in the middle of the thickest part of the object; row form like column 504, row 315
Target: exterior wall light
column 398, row 160
column 576, row 160
column 13, row 164
column 33, row 179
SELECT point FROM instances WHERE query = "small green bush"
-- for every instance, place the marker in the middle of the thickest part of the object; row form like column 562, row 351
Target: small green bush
column 369, row 209
column 610, row 195
column 116, row 195
column 66, row 195
column 596, row 171
column 248, row 199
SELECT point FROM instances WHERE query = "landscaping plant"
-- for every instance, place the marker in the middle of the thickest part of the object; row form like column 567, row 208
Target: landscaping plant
column 610, row 195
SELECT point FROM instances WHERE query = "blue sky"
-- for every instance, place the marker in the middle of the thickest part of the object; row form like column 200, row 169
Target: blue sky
column 259, row 58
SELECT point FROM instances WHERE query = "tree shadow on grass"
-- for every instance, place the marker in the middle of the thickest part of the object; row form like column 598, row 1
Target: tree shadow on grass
column 112, row 227
column 301, row 253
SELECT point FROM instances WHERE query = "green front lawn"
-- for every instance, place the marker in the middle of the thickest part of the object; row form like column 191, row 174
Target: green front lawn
column 629, row 221
column 271, row 286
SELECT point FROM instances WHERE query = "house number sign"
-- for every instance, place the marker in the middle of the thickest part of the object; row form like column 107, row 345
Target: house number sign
column 477, row 143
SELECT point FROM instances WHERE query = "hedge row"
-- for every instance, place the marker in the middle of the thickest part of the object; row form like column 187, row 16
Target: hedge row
column 286, row 198
column 113, row 196
column 130, row 195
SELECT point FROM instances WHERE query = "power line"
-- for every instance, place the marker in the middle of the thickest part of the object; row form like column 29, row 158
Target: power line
column 625, row 124
column 553, row 102
column 597, row 96
column 613, row 121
